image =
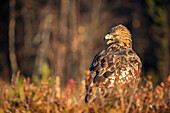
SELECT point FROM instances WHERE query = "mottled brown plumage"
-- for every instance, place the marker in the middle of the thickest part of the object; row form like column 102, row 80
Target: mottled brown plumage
column 116, row 65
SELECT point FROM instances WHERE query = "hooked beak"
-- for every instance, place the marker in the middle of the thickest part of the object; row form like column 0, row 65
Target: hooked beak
column 108, row 36
column 110, row 39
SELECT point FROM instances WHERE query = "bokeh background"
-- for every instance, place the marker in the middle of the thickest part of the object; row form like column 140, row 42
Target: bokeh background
column 44, row 38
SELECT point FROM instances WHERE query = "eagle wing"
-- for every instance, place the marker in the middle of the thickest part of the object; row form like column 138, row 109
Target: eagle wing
column 114, row 65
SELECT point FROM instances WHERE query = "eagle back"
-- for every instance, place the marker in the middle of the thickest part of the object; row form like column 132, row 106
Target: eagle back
column 112, row 66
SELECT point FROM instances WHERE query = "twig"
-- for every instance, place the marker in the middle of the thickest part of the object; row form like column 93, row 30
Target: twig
column 129, row 105
column 131, row 97
column 122, row 100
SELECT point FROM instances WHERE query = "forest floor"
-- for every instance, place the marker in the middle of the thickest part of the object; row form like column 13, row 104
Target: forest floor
column 26, row 97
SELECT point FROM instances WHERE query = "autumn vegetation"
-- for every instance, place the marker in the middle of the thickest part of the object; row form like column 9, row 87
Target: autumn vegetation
column 23, row 96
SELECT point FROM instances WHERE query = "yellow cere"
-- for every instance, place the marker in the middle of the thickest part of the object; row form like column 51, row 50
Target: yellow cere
column 107, row 35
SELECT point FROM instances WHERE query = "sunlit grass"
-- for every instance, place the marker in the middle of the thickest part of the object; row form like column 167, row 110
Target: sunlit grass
column 24, row 96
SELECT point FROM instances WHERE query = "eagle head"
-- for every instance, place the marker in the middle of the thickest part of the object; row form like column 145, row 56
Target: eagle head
column 119, row 34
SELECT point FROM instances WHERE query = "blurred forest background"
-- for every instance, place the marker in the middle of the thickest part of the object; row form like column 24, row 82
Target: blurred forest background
column 61, row 37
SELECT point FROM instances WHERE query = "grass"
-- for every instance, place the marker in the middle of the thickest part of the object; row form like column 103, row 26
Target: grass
column 22, row 96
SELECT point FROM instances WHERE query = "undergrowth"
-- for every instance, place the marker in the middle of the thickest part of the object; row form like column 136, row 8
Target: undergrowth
column 22, row 96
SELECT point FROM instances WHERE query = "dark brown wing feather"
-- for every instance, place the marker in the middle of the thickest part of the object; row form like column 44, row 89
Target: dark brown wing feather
column 115, row 64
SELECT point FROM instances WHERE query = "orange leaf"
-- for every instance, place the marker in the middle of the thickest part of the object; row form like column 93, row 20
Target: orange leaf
column 168, row 78
column 162, row 84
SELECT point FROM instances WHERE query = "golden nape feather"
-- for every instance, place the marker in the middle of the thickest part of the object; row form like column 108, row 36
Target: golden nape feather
column 116, row 65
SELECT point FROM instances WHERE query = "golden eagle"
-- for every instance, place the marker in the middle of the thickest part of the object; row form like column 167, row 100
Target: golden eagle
column 118, row 64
